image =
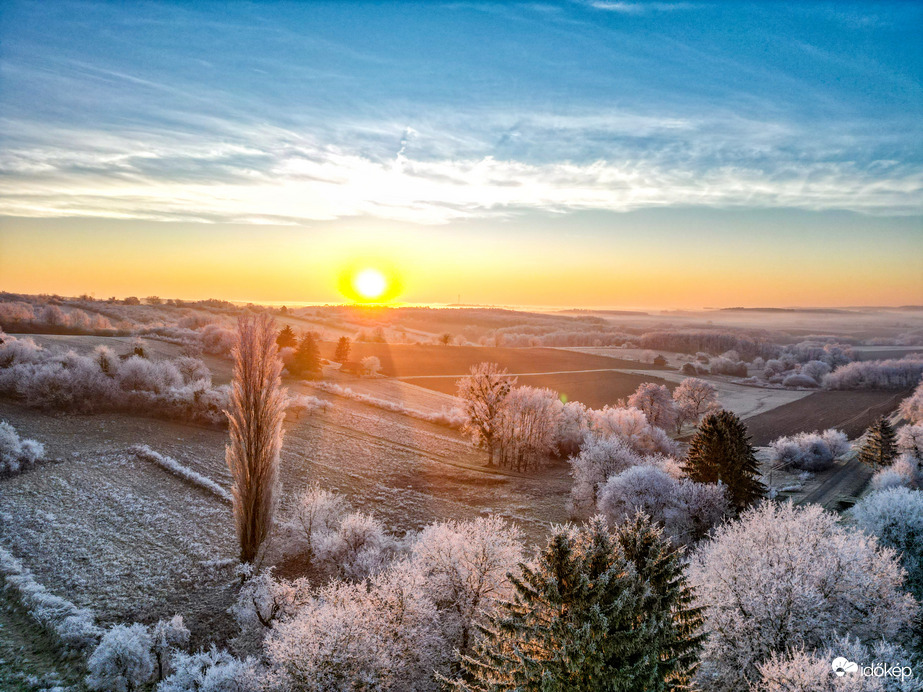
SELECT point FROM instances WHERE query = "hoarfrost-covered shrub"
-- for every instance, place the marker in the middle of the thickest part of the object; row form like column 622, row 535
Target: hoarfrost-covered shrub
column 371, row 365
column 172, row 466
column 167, row 637
column 809, row 451
column 785, row 576
column 212, row 671
column 815, row 369
column 73, row 627
column 17, row 455
column 359, row 547
column 217, row 339
column 122, row 662
column 102, row 382
column 317, row 515
column 799, row 379
column 726, row 366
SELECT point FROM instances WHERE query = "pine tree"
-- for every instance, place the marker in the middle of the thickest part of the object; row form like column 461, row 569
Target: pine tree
column 670, row 599
column 341, row 355
column 586, row 616
column 307, row 357
column 286, row 338
column 721, row 451
column 879, row 448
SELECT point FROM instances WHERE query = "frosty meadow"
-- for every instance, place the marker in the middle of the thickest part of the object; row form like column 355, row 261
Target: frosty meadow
column 497, row 346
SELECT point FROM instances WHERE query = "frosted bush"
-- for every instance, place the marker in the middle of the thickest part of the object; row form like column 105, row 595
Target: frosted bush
column 371, row 365
column 809, row 451
column 815, row 369
column 358, row 548
column 103, row 382
column 317, row 515
column 122, row 662
column 73, row 627
column 633, row 428
column 17, row 455
column 726, row 366
column 172, row 466
column 212, row 671
column 799, row 379
column 217, row 339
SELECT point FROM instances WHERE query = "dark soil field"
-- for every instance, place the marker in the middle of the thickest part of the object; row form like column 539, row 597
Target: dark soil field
column 594, row 388
column 851, row 412
column 405, row 360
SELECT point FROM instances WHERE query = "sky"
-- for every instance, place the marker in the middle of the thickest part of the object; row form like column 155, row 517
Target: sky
column 583, row 153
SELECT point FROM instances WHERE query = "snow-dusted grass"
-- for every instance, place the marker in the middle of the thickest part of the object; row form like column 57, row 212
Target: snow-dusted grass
column 452, row 418
column 74, row 628
column 171, row 465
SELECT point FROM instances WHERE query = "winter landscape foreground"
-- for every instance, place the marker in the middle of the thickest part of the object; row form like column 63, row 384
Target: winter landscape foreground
column 463, row 498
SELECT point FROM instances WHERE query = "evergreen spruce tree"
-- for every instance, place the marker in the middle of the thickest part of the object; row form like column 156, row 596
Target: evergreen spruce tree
column 670, row 600
column 307, row 357
column 586, row 616
column 721, row 451
column 879, row 448
column 286, row 338
column 341, row 355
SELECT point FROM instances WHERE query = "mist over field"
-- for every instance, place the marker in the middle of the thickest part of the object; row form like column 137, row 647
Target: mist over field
column 461, row 346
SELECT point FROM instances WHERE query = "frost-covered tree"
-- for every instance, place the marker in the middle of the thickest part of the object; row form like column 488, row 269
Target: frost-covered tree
column 693, row 399
column 685, row 510
column 122, row 662
column 371, row 365
column 800, row 670
column 656, row 402
column 262, row 603
column 594, row 611
column 16, row 454
column 317, row 515
column 359, row 547
column 572, row 428
column 167, row 637
column 212, row 671
column 379, row 635
column 525, row 427
column 879, row 448
column 910, row 441
column 906, row 471
column 633, row 427
column 599, row 458
column 483, row 392
column 784, row 576
column 895, row 516
column 341, row 354
column 721, row 452
column 255, row 416
column 912, row 407
column 464, row 567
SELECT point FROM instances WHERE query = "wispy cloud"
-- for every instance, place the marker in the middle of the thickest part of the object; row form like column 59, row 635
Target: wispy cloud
column 640, row 7
column 433, row 176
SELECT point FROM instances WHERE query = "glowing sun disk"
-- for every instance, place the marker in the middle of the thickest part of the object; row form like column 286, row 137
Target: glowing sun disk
column 370, row 283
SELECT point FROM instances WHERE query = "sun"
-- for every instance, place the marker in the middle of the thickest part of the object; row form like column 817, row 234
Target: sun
column 370, row 284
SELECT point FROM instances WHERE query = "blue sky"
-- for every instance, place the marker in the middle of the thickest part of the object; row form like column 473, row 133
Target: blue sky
column 576, row 120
